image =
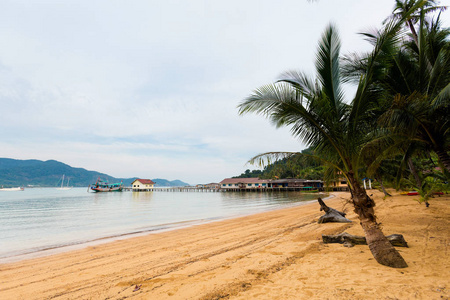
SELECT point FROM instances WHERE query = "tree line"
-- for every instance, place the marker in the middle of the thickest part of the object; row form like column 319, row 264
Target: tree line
column 301, row 165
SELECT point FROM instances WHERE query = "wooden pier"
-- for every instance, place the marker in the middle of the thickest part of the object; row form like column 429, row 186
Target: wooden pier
column 175, row 189
column 222, row 190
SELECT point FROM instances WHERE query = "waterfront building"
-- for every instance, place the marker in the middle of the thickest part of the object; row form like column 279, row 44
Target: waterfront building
column 244, row 183
column 256, row 183
column 142, row 184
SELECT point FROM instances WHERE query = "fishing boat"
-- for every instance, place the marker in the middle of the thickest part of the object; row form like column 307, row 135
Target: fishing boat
column 310, row 189
column 64, row 188
column 104, row 186
column 13, row 189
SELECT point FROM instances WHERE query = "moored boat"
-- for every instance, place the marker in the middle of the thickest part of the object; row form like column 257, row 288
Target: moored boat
column 64, row 188
column 104, row 186
column 310, row 189
column 14, row 189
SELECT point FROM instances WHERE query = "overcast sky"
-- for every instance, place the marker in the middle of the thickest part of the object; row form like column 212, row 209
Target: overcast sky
column 149, row 89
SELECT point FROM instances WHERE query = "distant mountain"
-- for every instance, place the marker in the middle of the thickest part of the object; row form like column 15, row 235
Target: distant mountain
column 165, row 182
column 14, row 172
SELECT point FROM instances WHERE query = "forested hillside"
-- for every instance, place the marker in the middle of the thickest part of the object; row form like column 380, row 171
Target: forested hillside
column 301, row 166
column 48, row 173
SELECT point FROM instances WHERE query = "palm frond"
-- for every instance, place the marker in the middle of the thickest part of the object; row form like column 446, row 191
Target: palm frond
column 442, row 100
column 268, row 158
column 367, row 94
column 440, row 72
column 327, row 66
column 424, row 63
column 268, row 99
column 310, row 118
column 264, row 159
column 353, row 67
column 299, row 81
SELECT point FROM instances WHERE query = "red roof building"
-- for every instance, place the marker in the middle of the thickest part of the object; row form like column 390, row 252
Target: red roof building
column 142, row 184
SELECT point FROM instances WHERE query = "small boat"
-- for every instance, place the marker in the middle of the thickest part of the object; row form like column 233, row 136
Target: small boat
column 310, row 189
column 64, row 188
column 14, row 189
column 104, row 186
column 413, row 193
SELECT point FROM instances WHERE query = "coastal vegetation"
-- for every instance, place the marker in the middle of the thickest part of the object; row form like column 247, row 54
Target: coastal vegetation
column 397, row 118
column 301, row 165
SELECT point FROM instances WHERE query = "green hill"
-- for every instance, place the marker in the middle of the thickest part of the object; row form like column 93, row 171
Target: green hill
column 32, row 172
column 165, row 182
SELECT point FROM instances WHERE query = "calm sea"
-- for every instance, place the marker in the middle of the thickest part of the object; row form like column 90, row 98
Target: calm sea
column 40, row 221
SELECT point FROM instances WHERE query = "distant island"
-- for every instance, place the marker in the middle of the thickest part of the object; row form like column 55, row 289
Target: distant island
column 38, row 173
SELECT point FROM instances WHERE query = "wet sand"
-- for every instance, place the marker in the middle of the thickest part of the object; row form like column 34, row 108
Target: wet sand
column 272, row 255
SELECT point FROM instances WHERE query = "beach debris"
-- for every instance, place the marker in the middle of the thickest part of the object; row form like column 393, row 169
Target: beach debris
column 347, row 239
column 331, row 214
column 137, row 288
column 348, row 244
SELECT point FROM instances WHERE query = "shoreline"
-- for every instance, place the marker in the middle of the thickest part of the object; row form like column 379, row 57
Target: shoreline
column 271, row 255
column 160, row 228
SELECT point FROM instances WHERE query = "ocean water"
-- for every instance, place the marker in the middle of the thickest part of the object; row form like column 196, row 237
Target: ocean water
column 39, row 221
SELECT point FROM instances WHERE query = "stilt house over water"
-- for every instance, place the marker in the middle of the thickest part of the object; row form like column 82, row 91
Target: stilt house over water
column 142, row 185
column 257, row 184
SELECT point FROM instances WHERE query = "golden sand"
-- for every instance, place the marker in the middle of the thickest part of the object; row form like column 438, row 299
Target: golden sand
column 273, row 255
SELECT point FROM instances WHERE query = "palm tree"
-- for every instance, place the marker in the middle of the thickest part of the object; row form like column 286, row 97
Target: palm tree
column 317, row 114
column 419, row 84
column 416, row 89
column 408, row 11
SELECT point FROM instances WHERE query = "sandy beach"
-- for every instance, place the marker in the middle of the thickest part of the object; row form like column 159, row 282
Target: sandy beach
column 273, row 255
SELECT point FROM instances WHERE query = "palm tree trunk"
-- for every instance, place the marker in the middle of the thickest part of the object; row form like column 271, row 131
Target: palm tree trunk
column 414, row 33
column 413, row 171
column 444, row 158
column 382, row 250
column 382, row 186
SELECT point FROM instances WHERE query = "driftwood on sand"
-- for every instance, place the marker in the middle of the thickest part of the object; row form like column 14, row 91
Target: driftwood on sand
column 350, row 240
column 331, row 214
